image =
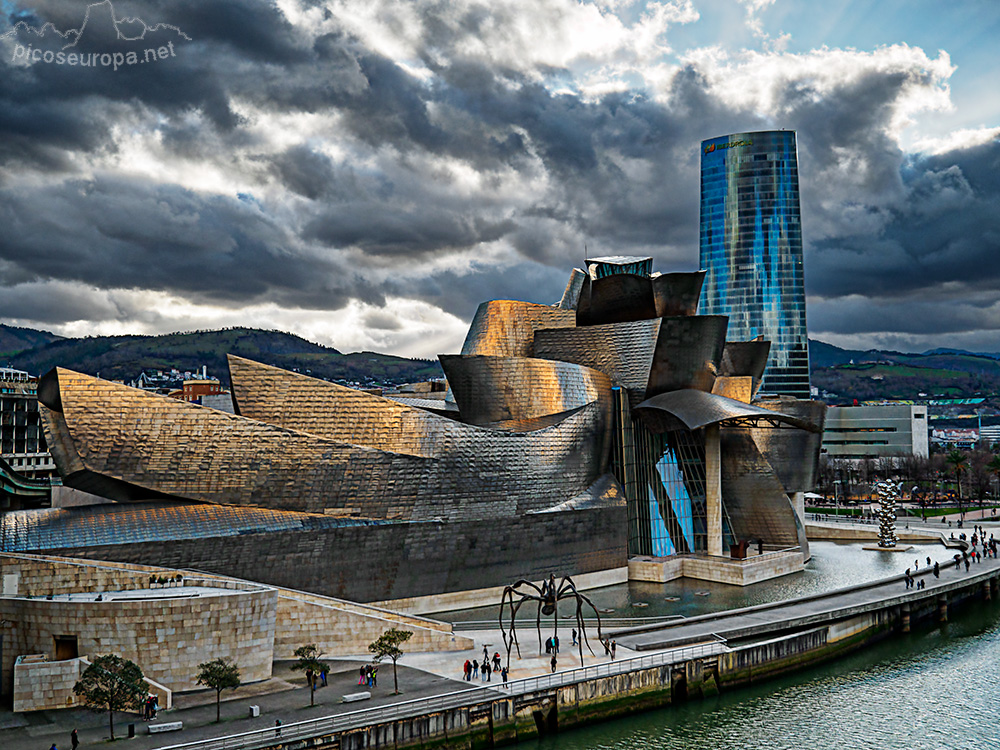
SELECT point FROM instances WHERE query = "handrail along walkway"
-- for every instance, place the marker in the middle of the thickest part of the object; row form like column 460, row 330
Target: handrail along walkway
column 261, row 738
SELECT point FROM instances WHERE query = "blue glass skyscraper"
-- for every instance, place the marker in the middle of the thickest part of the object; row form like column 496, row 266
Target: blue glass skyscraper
column 751, row 248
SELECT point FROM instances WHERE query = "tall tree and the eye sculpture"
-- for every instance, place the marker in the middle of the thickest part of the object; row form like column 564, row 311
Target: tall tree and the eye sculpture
column 547, row 596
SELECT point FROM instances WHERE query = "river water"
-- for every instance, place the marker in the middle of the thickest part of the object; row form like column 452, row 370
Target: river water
column 932, row 689
column 928, row 690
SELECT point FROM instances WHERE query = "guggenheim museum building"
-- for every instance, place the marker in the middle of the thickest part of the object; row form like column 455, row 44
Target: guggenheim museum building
column 613, row 425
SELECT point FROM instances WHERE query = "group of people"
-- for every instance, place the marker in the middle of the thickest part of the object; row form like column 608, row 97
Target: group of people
column 552, row 644
column 488, row 667
column 149, row 708
column 367, row 675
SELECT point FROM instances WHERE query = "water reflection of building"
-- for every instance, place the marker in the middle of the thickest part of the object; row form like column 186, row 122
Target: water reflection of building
column 615, row 423
column 751, row 246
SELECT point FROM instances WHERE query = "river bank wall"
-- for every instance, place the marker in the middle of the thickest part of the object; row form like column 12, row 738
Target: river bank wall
column 496, row 718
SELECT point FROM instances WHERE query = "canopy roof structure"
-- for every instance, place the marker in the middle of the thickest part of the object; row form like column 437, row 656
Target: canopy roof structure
column 693, row 409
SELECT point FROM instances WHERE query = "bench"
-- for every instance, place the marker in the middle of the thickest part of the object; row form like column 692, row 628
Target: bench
column 167, row 726
column 352, row 697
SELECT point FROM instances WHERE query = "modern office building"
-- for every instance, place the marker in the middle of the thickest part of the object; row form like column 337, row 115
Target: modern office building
column 751, row 249
column 882, row 431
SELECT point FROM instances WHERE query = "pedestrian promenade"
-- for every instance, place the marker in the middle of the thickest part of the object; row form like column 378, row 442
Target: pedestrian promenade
column 808, row 611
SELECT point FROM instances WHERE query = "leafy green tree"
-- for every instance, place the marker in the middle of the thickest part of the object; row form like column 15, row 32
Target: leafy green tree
column 111, row 683
column 309, row 662
column 219, row 674
column 388, row 645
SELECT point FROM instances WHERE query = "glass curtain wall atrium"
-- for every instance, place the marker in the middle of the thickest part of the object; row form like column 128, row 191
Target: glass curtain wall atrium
column 751, row 248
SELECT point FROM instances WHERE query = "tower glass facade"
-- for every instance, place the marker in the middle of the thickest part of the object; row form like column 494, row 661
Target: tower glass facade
column 751, row 248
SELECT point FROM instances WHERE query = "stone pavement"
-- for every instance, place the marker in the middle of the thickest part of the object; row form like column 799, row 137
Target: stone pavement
column 286, row 697
column 290, row 703
column 805, row 612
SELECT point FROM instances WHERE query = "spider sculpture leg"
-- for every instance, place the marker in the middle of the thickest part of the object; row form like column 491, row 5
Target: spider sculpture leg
column 513, row 629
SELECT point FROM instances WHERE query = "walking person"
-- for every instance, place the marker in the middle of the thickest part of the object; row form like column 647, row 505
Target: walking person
column 574, row 636
column 277, row 727
column 614, row 645
column 503, row 675
column 74, row 739
column 937, row 570
column 475, row 668
column 467, row 670
column 553, row 662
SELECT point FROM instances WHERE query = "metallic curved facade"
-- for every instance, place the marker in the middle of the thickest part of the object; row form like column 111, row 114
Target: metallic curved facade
column 506, row 328
column 577, row 433
column 676, row 294
column 492, row 390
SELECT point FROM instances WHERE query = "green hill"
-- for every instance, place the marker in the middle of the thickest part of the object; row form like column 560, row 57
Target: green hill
column 14, row 340
column 125, row 357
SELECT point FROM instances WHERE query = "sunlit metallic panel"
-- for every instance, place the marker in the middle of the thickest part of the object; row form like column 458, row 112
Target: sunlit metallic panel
column 171, row 447
column 745, row 358
column 687, row 354
column 690, row 409
column 794, row 454
column 504, row 328
column 623, row 351
column 752, row 495
column 479, row 471
column 269, row 394
column 497, row 389
column 736, row 387
column 571, row 295
column 606, row 492
column 618, row 299
column 677, row 294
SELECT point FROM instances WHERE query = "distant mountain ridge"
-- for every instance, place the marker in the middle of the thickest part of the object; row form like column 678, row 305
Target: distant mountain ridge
column 125, row 357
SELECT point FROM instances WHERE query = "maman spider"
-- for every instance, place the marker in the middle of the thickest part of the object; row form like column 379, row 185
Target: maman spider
column 548, row 595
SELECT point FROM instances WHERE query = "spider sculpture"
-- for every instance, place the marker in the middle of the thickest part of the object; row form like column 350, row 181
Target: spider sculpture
column 548, row 595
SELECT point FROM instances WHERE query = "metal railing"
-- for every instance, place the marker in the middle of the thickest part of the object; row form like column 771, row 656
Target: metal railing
column 331, row 725
column 568, row 622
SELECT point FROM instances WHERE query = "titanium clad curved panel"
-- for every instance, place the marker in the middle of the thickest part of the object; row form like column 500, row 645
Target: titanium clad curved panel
column 183, row 450
column 504, row 328
column 794, row 454
column 571, row 295
column 622, row 351
column 745, row 358
column 687, row 354
column 618, row 299
column 696, row 409
column 478, row 472
column 332, row 411
column 497, row 389
column 754, row 498
column 677, row 294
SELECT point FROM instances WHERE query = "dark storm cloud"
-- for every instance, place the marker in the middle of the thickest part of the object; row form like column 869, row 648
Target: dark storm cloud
column 557, row 172
column 113, row 233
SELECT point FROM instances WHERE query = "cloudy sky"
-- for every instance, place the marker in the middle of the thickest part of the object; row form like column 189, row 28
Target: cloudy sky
column 365, row 172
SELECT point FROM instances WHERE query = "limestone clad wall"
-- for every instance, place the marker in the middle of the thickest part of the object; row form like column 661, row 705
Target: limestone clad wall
column 166, row 636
